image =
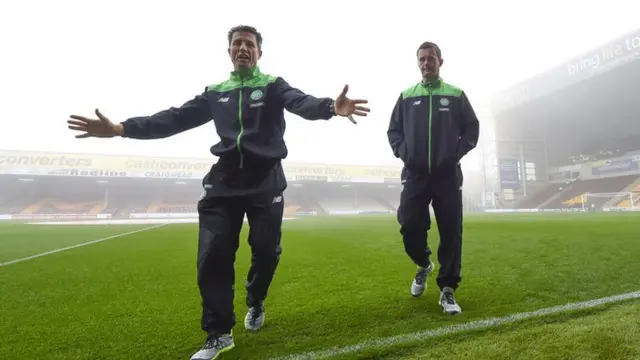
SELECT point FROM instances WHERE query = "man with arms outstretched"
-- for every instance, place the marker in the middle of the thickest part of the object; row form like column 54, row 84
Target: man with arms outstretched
column 432, row 127
column 248, row 112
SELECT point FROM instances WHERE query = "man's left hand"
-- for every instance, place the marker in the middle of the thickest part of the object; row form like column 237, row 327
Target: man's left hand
column 348, row 107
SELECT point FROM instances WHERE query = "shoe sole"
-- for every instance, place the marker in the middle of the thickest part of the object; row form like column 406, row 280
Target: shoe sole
column 452, row 313
column 227, row 349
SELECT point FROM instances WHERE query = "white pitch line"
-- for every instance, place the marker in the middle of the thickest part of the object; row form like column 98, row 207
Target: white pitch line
column 78, row 245
column 454, row 329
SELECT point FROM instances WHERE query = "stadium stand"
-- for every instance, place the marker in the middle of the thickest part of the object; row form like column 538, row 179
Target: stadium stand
column 574, row 196
column 633, row 200
column 540, row 197
column 557, row 149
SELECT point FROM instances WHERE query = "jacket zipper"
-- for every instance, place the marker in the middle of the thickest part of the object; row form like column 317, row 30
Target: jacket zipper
column 241, row 124
column 430, row 116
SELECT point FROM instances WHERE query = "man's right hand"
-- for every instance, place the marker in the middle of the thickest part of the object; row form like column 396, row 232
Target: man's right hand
column 101, row 127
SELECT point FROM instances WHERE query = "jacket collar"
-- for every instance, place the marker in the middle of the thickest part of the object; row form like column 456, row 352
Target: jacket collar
column 246, row 73
column 433, row 84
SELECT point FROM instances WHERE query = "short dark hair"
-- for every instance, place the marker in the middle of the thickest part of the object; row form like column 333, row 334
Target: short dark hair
column 246, row 28
column 430, row 45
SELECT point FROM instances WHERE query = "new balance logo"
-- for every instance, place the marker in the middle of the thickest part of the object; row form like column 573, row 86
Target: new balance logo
column 417, row 102
column 277, row 200
column 224, row 99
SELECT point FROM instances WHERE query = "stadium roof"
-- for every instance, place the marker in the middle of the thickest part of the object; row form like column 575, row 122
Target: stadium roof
column 615, row 53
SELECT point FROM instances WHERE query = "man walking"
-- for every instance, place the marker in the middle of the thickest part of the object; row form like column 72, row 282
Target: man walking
column 432, row 127
column 248, row 112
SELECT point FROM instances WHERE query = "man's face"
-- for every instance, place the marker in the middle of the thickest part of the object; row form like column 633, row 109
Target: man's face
column 429, row 63
column 244, row 51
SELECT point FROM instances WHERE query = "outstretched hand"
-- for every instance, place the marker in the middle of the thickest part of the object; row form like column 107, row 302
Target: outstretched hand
column 348, row 107
column 101, row 127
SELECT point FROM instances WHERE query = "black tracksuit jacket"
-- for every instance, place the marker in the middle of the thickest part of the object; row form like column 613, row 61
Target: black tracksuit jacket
column 432, row 127
column 248, row 113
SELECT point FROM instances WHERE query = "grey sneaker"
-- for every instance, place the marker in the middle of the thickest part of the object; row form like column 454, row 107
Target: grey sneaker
column 214, row 346
column 419, row 284
column 448, row 302
column 254, row 318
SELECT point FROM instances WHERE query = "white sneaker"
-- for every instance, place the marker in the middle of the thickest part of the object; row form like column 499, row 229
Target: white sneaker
column 419, row 284
column 254, row 318
column 448, row 302
column 214, row 346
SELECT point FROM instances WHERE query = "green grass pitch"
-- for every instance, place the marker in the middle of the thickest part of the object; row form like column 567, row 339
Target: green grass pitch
column 341, row 280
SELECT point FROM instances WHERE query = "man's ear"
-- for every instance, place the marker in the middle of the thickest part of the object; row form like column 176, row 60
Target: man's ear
column 441, row 61
column 259, row 54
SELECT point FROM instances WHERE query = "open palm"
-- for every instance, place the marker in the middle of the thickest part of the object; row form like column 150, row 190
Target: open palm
column 101, row 127
column 348, row 107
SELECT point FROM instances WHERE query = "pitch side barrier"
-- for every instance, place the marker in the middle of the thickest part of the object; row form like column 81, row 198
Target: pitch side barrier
column 55, row 216
column 359, row 212
column 163, row 215
column 151, row 216
column 148, row 216
column 188, row 215
column 298, row 213
column 611, row 209
column 531, row 210
column 620, row 209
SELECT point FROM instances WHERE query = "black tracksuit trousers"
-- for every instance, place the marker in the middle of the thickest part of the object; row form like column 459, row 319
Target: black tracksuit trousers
column 443, row 191
column 229, row 195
